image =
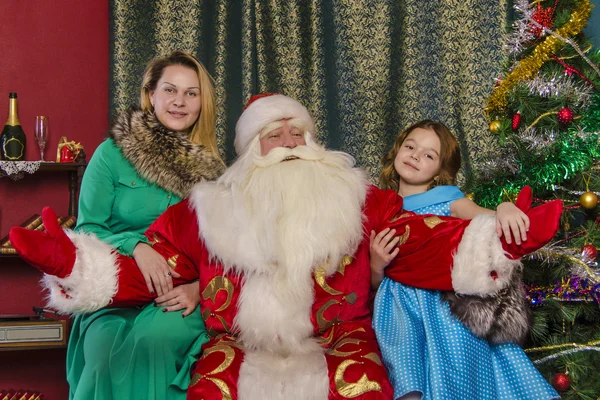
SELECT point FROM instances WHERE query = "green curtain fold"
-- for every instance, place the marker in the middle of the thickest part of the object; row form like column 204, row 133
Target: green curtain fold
column 365, row 69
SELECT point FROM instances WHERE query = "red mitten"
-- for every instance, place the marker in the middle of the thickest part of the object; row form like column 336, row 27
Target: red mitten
column 544, row 222
column 52, row 252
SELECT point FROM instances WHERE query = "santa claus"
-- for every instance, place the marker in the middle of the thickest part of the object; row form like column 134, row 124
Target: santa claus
column 280, row 245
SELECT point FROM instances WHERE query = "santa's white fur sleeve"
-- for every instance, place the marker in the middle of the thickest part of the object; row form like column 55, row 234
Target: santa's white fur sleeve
column 481, row 266
column 93, row 281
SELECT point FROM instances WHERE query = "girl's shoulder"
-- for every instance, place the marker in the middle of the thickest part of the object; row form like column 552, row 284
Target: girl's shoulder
column 433, row 197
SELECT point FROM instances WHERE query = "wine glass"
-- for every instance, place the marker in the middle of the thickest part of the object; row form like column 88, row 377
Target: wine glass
column 41, row 133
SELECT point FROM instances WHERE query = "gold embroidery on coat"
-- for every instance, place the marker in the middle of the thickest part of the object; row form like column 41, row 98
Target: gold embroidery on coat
column 354, row 389
column 195, row 379
column 229, row 356
column 346, row 260
column 321, row 281
column 154, row 240
column 335, row 350
column 225, row 392
column 321, row 321
column 404, row 236
column 222, row 321
column 172, row 261
column 328, row 339
column 432, row 222
column 214, row 286
column 351, row 298
column 403, row 215
column 374, row 357
column 350, row 333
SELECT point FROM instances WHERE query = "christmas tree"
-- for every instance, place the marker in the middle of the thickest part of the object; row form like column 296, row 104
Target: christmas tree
column 545, row 114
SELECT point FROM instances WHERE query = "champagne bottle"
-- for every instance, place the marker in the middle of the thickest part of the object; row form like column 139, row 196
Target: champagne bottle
column 12, row 140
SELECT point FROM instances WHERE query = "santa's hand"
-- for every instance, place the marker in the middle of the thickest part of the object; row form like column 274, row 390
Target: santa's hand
column 52, row 252
column 185, row 296
column 157, row 273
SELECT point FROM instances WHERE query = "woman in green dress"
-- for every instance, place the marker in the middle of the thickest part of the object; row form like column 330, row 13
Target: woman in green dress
column 151, row 159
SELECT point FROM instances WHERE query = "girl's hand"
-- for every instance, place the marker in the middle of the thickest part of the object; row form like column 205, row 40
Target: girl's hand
column 509, row 219
column 154, row 268
column 185, row 296
column 383, row 248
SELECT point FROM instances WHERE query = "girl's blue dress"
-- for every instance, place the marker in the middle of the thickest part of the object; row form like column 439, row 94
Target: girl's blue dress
column 426, row 349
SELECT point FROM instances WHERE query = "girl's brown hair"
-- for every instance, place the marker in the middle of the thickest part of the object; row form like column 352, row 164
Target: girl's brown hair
column 450, row 160
column 203, row 130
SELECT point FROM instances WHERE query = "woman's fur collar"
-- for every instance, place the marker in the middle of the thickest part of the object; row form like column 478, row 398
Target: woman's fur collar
column 161, row 156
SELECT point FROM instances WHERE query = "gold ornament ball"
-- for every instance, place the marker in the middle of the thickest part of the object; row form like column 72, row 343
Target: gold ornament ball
column 588, row 200
column 495, row 126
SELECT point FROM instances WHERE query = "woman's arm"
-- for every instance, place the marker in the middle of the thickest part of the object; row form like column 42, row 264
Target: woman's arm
column 97, row 198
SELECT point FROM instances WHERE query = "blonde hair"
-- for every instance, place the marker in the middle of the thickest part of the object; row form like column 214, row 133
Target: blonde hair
column 450, row 160
column 203, row 130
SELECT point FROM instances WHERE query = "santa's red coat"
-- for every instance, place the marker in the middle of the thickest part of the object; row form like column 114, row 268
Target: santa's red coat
column 338, row 357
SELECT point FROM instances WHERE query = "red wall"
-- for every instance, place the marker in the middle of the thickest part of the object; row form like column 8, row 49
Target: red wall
column 54, row 54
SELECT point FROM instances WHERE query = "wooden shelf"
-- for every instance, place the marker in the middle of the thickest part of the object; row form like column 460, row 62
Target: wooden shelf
column 54, row 166
column 75, row 172
column 9, row 256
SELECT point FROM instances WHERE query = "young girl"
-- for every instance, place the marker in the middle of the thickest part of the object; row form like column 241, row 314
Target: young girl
column 428, row 352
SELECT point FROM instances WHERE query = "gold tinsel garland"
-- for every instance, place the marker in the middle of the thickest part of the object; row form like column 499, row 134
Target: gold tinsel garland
column 531, row 64
column 561, row 346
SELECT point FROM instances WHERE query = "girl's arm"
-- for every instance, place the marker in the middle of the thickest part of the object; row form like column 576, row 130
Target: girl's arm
column 508, row 218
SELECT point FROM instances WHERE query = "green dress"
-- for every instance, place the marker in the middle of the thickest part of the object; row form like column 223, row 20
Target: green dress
column 133, row 353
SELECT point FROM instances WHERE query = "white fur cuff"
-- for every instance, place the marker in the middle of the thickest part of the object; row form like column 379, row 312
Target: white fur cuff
column 93, row 281
column 480, row 264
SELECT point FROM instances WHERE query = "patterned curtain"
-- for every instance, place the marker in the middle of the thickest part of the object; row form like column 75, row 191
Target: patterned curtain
column 365, row 69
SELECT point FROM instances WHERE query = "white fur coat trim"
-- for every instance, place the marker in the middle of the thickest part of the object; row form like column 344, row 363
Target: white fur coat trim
column 264, row 375
column 480, row 253
column 93, row 281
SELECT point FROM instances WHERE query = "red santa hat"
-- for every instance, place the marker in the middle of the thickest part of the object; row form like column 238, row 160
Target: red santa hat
column 265, row 108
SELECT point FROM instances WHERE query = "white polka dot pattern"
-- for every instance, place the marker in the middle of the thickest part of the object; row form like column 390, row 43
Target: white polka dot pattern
column 426, row 349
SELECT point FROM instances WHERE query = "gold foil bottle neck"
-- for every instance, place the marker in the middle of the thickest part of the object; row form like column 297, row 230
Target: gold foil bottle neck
column 13, row 116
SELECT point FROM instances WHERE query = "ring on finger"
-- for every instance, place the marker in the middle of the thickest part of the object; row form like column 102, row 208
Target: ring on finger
column 169, row 273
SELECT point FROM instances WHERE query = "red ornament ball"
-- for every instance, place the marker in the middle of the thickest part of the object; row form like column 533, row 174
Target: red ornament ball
column 561, row 382
column 565, row 115
column 589, row 251
column 516, row 121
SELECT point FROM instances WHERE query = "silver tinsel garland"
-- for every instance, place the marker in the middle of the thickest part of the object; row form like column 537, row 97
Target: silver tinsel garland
column 579, row 264
column 554, row 356
column 538, row 142
column 521, row 33
column 561, row 86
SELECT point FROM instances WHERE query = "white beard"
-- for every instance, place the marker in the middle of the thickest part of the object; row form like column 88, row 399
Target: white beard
column 275, row 222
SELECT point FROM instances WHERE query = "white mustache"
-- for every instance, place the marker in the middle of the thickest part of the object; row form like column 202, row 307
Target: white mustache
column 280, row 154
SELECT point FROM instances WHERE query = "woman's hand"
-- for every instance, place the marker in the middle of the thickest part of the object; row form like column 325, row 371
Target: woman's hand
column 509, row 219
column 383, row 249
column 154, row 268
column 185, row 296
